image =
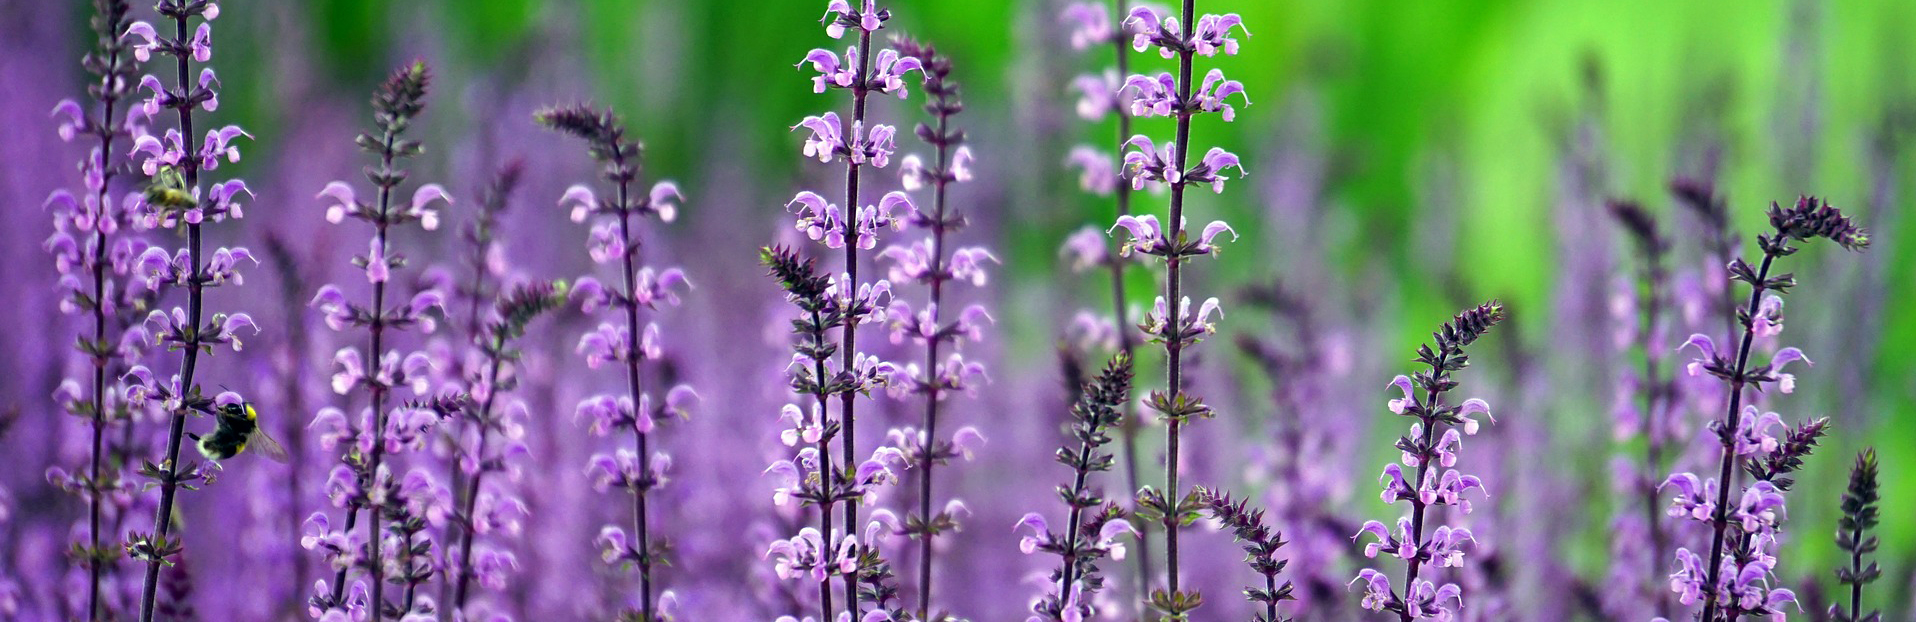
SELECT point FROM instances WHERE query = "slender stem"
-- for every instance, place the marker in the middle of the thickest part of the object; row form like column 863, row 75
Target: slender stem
column 1431, row 404
column 1127, row 342
column 1173, row 347
column 1067, row 584
column 1719, row 519
column 932, row 387
column 1856, row 572
column 827, row 476
column 475, row 325
column 479, row 457
column 377, row 354
column 640, row 517
column 190, row 171
column 108, row 97
column 1654, row 398
column 847, row 399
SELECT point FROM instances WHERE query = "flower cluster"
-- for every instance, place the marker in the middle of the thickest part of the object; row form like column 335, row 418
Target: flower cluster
column 1093, row 525
column 1435, row 481
column 849, row 301
column 1860, row 514
column 489, row 438
column 96, row 254
column 1736, row 578
column 399, row 512
column 926, row 263
column 174, row 197
column 638, row 470
column 811, row 477
column 1172, row 325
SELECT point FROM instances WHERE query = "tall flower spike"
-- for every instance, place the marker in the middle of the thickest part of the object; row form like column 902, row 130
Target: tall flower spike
column 368, row 487
column 927, row 263
column 637, row 410
column 88, row 227
column 1733, row 579
column 173, row 197
column 1093, row 25
column 1096, row 412
column 488, row 436
column 1645, row 410
column 1175, row 95
column 1430, row 446
column 857, row 143
column 810, row 476
column 1853, row 537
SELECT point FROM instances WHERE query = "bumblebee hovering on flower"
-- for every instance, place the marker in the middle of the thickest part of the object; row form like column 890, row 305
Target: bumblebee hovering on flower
column 168, row 190
column 238, row 429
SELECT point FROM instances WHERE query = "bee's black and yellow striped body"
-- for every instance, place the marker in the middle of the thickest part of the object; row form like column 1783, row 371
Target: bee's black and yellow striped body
column 237, row 427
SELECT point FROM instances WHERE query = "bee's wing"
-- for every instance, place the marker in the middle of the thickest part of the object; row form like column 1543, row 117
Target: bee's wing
column 266, row 446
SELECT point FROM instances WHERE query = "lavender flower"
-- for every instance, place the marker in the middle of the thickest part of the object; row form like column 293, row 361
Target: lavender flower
column 925, row 262
column 1171, row 324
column 1738, row 583
column 1429, row 452
column 855, row 226
column 1092, row 525
column 108, row 297
column 174, row 197
column 1103, row 93
column 810, row 478
column 639, row 471
column 364, row 482
column 1645, row 408
column 1852, row 536
column 1260, row 551
column 481, row 509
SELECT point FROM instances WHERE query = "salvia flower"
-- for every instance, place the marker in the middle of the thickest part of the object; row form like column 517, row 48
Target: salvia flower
column 397, row 511
column 93, row 246
column 1092, row 524
column 174, row 196
column 852, row 225
column 1734, row 579
column 1170, row 166
column 637, row 409
column 1429, row 452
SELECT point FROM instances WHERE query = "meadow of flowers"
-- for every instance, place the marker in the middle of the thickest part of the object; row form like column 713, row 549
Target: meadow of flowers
column 879, row 311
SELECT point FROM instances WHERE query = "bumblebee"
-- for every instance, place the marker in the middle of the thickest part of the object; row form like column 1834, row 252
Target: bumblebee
column 238, row 428
column 167, row 190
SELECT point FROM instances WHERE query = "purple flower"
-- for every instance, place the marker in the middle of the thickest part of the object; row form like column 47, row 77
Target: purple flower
column 1100, row 94
column 839, row 14
column 1090, row 24
column 1098, row 174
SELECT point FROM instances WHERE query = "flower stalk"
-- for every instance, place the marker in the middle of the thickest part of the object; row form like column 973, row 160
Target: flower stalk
column 1422, row 448
column 394, row 508
column 638, row 471
column 174, row 198
column 1092, row 524
column 1860, row 515
column 928, row 262
column 1182, row 37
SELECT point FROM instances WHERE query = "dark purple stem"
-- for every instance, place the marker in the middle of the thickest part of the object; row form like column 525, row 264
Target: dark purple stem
column 1174, row 346
column 850, row 288
column 1127, row 342
column 190, row 171
column 1719, row 519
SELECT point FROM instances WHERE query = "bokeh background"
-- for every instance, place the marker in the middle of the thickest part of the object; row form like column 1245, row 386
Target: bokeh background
column 1405, row 159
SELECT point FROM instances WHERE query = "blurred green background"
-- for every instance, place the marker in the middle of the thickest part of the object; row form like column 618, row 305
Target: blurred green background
column 1451, row 136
